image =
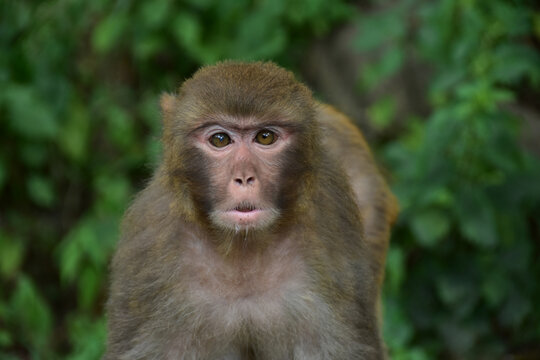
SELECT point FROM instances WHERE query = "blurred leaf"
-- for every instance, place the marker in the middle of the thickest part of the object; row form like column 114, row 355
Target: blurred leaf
column 259, row 36
column 6, row 356
column 430, row 226
column 153, row 152
column 515, row 20
column 109, row 32
column 389, row 27
column 438, row 196
column 536, row 24
column 461, row 337
column 148, row 46
column 395, row 268
column 382, row 112
column 89, row 285
column 33, row 154
column 20, row 16
column 149, row 112
column 187, row 31
column 71, row 250
column 120, row 127
column 320, row 13
column 30, row 314
column 113, row 193
column 11, row 254
column 445, row 82
column 70, row 257
column 205, row 4
column 495, row 288
column 41, row 190
column 397, row 329
column 154, row 13
column 88, row 338
column 525, row 64
column 515, row 310
column 74, row 135
column 29, row 115
column 390, row 62
column 477, row 222
column 3, row 175
column 455, row 289
column 480, row 96
column 5, row 339
column 87, row 247
column 410, row 354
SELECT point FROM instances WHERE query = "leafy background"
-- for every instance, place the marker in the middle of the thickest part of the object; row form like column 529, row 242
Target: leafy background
column 447, row 91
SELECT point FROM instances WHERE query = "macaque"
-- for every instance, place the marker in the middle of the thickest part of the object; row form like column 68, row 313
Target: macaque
column 261, row 235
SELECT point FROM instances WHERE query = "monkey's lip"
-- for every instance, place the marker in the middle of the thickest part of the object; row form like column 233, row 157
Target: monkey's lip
column 245, row 215
column 245, row 208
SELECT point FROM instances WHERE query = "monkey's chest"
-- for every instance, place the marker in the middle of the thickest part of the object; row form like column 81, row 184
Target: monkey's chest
column 248, row 296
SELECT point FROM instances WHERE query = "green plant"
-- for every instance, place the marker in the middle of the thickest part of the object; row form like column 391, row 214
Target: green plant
column 80, row 82
column 461, row 270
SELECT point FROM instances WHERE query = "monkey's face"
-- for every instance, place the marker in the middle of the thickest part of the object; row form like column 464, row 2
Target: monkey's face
column 244, row 164
column 239, row 141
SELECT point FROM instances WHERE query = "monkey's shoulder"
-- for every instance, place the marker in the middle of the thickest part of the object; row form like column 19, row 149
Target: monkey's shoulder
column 150, row 207
column 345, row 145
column 341, row 135
column 145, row 223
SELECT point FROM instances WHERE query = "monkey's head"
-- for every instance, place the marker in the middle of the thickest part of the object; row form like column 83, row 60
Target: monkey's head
column 240, row 144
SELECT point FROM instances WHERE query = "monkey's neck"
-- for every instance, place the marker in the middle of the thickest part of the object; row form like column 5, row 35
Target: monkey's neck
column 244, row 242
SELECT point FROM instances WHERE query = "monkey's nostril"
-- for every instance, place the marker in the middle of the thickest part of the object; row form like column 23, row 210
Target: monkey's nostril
column 245, row 181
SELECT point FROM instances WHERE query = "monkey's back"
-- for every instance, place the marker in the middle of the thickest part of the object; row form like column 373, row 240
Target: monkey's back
column 378, row 206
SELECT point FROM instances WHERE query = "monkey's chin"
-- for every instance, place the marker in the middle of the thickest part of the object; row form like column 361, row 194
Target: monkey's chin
column 238, row 221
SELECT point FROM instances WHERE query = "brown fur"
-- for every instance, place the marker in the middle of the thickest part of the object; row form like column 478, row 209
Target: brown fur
column 304, row 284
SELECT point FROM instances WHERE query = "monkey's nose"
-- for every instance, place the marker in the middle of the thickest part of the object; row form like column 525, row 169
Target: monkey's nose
column 244, row 180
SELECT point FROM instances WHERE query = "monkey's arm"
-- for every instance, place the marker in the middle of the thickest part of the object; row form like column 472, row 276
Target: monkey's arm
column 142, row 263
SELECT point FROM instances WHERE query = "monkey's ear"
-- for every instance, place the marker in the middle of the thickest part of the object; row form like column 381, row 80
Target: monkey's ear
column 167, row 103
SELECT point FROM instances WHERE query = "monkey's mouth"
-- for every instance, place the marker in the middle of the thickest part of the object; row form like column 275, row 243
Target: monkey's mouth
column 245, row 215
column 245, row 208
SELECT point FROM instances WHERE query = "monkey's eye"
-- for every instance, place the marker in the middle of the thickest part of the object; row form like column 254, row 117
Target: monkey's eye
column 220, row 140
column 265, row 137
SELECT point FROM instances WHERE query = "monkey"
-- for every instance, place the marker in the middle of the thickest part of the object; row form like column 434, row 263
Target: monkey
column 262, row 233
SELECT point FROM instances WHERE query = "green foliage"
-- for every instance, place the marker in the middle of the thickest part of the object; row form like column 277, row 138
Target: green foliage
column 461, row 280
column 79, row 113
